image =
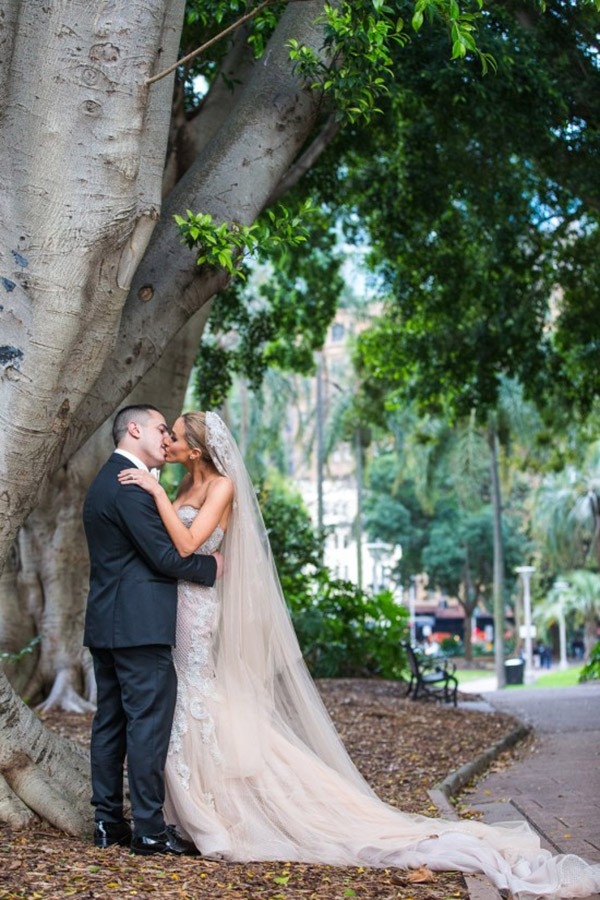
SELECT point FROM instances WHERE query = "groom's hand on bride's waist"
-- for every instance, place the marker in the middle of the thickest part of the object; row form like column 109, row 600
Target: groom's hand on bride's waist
column 220, row 562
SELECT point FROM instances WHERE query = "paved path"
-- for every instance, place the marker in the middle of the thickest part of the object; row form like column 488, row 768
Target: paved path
column 556, row 787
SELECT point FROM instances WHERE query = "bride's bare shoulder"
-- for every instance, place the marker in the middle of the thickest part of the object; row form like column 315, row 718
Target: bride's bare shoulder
column 223, row 485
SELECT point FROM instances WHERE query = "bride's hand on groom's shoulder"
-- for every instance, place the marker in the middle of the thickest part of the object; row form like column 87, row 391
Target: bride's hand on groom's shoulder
column 139, row 478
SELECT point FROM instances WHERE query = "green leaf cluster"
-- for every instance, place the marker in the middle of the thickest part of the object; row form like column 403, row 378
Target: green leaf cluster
column 276, row 319
column 357, row 41
column 227, row 245
column 7, row 656
column 360, row 38
column 591, row 670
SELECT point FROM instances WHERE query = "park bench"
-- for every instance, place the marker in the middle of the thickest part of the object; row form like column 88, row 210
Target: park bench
column 430, row 679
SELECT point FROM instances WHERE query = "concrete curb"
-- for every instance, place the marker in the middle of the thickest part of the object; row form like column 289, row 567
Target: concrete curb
column 457, row 780
column 478, row 886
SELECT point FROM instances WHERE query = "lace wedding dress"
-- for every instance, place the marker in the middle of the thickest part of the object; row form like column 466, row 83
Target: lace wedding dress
column 256, row 770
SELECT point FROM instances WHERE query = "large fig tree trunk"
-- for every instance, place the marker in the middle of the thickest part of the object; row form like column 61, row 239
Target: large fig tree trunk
column 94, row 284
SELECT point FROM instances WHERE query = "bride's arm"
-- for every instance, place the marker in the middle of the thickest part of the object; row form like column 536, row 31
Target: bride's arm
column 218, row 500
column 186, row 540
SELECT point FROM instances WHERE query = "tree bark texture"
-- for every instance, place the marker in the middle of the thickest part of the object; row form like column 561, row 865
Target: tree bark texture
column 82, row 196
column 41, row 774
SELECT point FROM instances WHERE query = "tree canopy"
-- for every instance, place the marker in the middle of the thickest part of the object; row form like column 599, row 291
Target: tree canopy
column 482, row 210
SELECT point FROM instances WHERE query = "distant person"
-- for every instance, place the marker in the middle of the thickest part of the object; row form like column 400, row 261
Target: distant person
column 544, row 655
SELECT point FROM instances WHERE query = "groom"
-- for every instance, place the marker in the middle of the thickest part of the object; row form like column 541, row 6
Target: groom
column 130, row 629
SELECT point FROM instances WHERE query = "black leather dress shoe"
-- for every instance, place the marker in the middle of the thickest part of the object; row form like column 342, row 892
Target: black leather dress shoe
column 108, row 833
column 168, row 841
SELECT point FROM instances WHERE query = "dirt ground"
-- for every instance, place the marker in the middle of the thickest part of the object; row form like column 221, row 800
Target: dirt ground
column 402, row 748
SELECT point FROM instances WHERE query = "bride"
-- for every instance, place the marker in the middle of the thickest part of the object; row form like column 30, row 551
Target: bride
column 256, row 770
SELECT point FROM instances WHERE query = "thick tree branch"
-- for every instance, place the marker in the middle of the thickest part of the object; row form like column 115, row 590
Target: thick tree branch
column 214, row 40
column 308, row 159
column 230, row 179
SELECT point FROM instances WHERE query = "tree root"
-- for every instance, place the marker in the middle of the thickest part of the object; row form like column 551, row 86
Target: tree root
column 13, row 811
column 49, row 800
column 64, row 696
column 41, row 773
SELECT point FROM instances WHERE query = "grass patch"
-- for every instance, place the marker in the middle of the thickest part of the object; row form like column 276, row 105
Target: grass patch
column 559, row 678
column 554, row 679
column 465, row 675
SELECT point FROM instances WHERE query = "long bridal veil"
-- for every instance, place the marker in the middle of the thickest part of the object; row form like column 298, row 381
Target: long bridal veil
column 302, row 796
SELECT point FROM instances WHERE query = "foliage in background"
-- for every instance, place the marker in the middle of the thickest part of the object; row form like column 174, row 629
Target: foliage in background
column 294, row 543
column 343, row 631
column 591, row 670
column 475, row 218
column 393, row 513
column 566, row 512
column 276, row 320
column 458, row 556
column 348, row 633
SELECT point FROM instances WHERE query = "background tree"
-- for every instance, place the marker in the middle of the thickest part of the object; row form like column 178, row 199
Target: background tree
column 499, row 215
column 393, row 513
column 459, row 558
column 582, row 598
column 565, row 517
column 485, row 265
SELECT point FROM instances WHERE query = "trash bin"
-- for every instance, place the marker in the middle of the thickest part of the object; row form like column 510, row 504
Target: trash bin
column 514, row 669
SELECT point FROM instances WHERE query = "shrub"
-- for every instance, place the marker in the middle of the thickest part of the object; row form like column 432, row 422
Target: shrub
column 591, row 670
column 452, row 646
column 345, row 632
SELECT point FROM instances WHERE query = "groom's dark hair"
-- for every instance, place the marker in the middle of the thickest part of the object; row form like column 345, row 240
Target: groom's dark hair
column 129, row 414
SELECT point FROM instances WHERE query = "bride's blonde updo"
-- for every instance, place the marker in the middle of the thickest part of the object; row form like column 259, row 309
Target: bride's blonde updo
column 206, row 432
column 194, row 429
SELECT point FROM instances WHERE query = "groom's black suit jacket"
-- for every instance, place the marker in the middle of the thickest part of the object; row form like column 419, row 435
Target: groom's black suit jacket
column 134, row 566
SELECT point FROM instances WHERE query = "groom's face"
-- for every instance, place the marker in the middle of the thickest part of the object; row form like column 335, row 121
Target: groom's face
column 153, row 439
column 178, row 450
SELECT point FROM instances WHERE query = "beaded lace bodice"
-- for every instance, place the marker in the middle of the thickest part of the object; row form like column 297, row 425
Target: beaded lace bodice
column 197, row 620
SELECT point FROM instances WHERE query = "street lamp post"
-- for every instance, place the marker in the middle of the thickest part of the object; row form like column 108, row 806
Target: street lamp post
column 526, row 572
column 561, row 587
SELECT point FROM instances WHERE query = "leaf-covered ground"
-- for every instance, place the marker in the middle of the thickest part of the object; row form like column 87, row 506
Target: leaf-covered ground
column 402, row 748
